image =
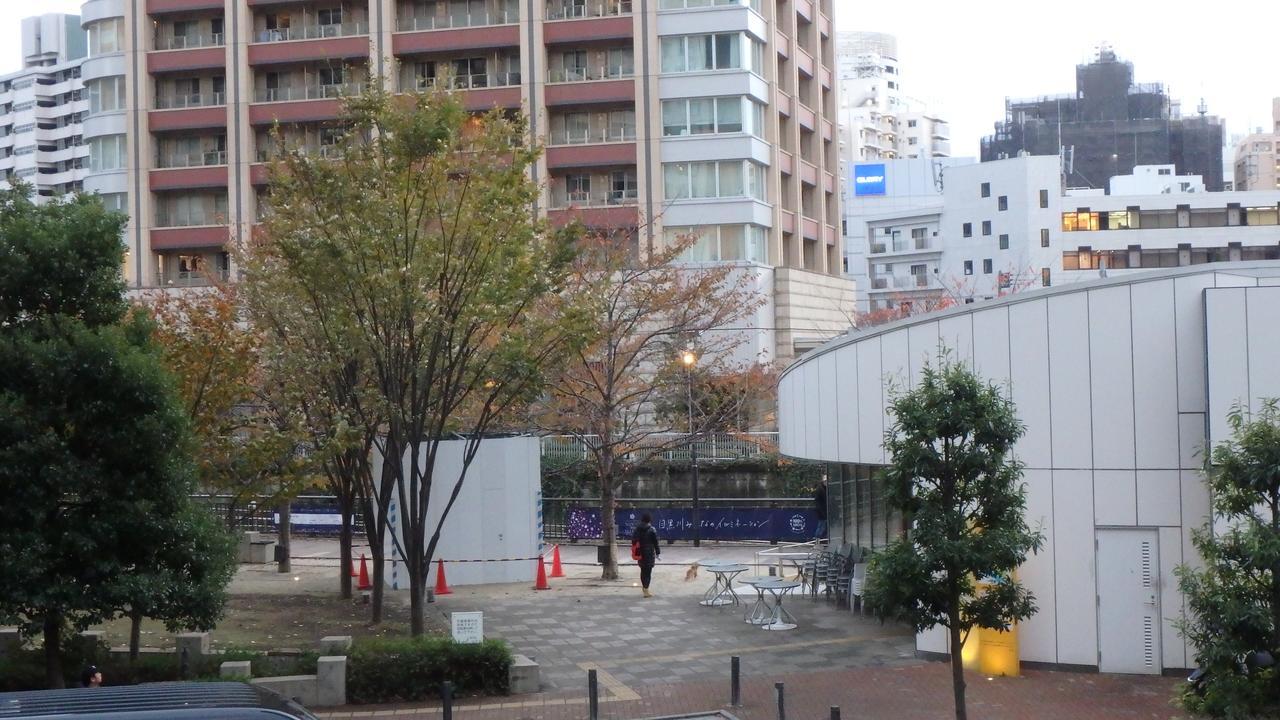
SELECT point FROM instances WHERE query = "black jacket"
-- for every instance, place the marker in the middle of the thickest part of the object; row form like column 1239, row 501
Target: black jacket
column 648, row 539
column 820, row 502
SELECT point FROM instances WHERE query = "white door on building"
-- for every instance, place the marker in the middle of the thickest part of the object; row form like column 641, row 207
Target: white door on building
column 1128, row 565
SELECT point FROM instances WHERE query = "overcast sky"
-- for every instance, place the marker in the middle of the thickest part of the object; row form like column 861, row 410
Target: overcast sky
column 965, row 57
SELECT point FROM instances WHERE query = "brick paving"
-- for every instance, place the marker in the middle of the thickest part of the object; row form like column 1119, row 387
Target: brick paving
column 919, row 692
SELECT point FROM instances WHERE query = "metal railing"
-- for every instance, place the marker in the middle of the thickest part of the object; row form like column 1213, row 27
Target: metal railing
column 593, row 135
column 463, row 82
column 195, row 159
column 191, row 278
column 312, row 32
column 165, row 220
column 329, row 152
column 174, row 102
column 308, row 92
column 716, row 447
column 573, row 10
column 252, row 514
column 565, row 199
column 588, row 74
column 183, row 42
column 459, row 20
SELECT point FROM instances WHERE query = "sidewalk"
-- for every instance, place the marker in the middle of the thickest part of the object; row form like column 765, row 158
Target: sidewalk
column 919, row 692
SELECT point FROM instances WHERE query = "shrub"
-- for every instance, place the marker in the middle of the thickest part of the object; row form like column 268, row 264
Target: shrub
column 384, row 670
column 25, row 670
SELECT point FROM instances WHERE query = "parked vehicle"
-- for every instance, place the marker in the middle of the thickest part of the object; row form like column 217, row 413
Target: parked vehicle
column 154, row 701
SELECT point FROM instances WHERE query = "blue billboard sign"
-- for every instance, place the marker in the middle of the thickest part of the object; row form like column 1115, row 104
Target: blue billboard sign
column 868, row 179
column 770, row 524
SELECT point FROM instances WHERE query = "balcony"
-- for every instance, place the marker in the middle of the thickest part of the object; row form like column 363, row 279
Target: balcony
column 609, row 209
column 451, row 21
column 562, row 199
column 311, row 32
column 588, row 74
column 195, row 159
column 588, row 85
column 461, row 82
column 194, row 219
column 156, row 7
column 189, row 42
column 307, row 92
column 576, row 10
column 592, row 136
column 194, row 100
column 598, row 147
column 575, row 22
column 178, row 237
column 192, row 278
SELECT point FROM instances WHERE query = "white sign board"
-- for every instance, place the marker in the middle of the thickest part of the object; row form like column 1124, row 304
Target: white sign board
column 468, row 627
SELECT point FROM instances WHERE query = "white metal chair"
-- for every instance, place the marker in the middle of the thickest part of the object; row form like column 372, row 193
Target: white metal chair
column 856, row 584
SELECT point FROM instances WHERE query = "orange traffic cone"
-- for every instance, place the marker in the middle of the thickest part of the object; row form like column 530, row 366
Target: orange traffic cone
column 364, row 583
column 442, row 588
column 542, row 576
column 556, row 570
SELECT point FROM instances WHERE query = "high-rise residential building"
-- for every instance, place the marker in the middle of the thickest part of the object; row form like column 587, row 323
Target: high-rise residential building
column 659, row 116
column 1109, row 126
column 1257, row 156
column 878, row 119
column 41, row 108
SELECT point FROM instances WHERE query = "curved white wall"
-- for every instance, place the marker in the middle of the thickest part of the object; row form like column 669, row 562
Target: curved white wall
column 95, row 10
column 101, row 66
column 1110, row 379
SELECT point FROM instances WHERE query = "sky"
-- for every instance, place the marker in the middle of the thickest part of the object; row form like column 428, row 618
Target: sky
column 964, row 58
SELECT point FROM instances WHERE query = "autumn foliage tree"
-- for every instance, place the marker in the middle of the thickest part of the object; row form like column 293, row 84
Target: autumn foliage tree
column 645, row 308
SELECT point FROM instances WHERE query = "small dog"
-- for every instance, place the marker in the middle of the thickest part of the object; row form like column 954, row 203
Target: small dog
column 691, row 573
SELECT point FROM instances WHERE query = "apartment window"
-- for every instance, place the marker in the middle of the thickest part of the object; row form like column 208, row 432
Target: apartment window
column 725, row 178
column 1044, row 277
column 105, row 36
column 986, row 266
column 331, row 75
column 986, row 189
column 578, row 186
column 1044, row 237
column 986, row 228
column 704, row 116
column 911, row 123
column 107, row 153
column 1084, row 220
column 105, row 94
column 1044, row 198
column 967, row 229
column 722, row 51
column 623, row 185
column 1002, row 203
column 1164, row 171
column 1004, row 241
column 329, row 16
column 968, row 267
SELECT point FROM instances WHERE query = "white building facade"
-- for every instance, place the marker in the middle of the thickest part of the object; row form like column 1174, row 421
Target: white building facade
column 42, row 107
column 1121, row 384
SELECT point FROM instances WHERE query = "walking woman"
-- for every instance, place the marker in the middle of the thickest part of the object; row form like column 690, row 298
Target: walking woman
column 644, row 548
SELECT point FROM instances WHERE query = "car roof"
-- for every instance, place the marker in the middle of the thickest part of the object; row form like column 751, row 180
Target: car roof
column 230, row 700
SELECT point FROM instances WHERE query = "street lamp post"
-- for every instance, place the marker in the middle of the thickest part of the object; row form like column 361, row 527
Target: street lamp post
column 689, row 359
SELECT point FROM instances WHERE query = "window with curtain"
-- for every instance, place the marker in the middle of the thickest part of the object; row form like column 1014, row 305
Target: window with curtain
column 731, row 179
column 726, row 51
column 729, row 115
column 702, row 177
column 702, row 116
column 673, row 55
column 674, row 119
column 675, row 180
column 701, row 52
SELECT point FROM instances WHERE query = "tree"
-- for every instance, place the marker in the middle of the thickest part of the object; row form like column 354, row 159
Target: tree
column 419, row 245
column 94, row 460
column 646, row 309
column 952, row 472
column 1234, row 599
column 733, row 400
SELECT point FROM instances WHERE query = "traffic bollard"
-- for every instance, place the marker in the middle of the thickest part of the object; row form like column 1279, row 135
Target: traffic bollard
column 735, row 682
column 593, row 695
column 782, row 705
column 446, row 699
column 835, row 712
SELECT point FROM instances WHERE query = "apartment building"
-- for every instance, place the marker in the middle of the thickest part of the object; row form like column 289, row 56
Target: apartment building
column 659, row 117
column 878, row 119
column 1257, row 156
column 1004, row 226
column 41, row 109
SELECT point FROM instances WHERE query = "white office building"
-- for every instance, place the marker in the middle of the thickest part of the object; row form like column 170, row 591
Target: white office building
column 1121, row 383
column 42, row 106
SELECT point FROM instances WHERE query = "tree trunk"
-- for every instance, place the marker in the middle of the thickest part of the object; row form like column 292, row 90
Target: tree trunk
column 283, row 539
column 957, row 666
column 344, row 547
column 608, row 527
column 416, row 581
column 135, row 632
column 378, row 580
column 53, row 652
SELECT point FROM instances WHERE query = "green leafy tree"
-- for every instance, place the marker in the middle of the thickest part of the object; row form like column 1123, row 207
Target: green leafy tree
column 1234, row 598
column 951, row 471
column 419, row 246
column 94, row 463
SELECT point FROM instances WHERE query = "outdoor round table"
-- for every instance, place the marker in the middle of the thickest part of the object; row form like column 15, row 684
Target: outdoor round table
column 781, row 619
column 721, row 590
column 760, row 612
column 797, row 559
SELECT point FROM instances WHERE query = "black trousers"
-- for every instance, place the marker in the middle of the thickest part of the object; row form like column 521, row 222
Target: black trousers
column 646, row 574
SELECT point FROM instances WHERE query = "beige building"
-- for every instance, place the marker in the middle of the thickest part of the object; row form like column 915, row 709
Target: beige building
column 1257, row 161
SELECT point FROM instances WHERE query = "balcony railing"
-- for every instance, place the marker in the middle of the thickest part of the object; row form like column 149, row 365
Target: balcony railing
column 191, row 278
column 458, row 20
column 183, row 42
column 593, row 136
column 196, row 159
column 173, row 102
column 328, row 152
column 307, row 92
column 165, row 220
column 312, row 32
column 605, row 72
column 562, row 199
column 569, row 10
column 462, row 82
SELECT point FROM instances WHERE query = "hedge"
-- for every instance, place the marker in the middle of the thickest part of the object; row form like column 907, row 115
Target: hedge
column 387, row 670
